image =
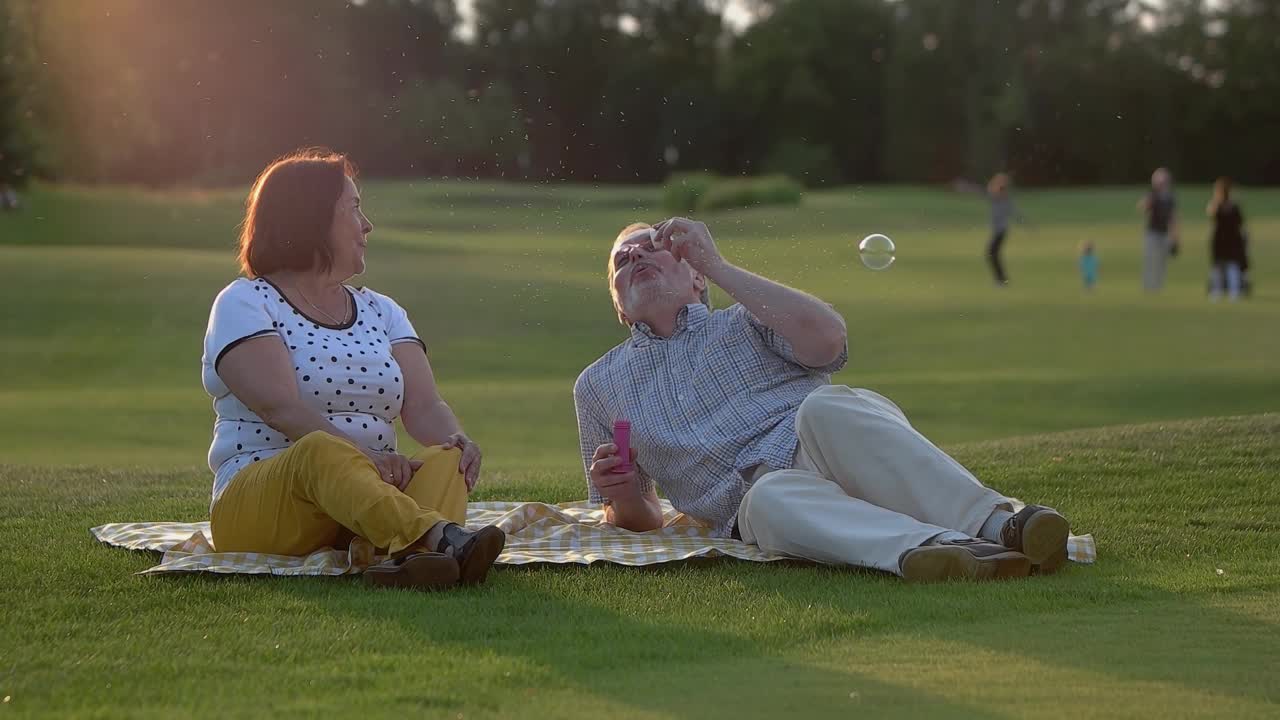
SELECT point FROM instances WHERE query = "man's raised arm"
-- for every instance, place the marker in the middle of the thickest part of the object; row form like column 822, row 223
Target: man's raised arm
column 814, row 329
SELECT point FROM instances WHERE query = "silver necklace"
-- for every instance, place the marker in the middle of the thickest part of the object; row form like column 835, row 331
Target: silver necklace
column 332, row 319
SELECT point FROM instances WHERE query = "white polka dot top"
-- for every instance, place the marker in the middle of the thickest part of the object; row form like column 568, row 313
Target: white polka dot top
column 346, row 372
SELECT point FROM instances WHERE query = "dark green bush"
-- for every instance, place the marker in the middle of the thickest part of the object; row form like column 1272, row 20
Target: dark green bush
column 682, row 191
column 741, row 192
column 687, row 193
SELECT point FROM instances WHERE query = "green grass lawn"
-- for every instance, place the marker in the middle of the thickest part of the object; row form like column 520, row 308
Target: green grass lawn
column 1153, row 422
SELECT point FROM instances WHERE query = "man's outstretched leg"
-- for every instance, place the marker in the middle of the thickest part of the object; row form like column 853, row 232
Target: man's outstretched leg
column 802, row 514
column 864, row 443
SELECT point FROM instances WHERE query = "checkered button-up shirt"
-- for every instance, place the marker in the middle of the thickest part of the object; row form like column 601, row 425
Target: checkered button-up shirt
column 706, row 405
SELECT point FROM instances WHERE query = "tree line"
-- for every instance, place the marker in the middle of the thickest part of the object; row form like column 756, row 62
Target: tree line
column 827, row 91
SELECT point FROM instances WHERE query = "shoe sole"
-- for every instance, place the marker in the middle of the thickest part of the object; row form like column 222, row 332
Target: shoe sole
column 937, row 563
column 421, row 572
column 484, row 550
column 1044, row 541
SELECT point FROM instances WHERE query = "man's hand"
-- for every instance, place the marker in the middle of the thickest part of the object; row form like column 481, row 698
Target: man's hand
column 614, row 486
column 626, row 505
column 815, row 331
column 690, row 241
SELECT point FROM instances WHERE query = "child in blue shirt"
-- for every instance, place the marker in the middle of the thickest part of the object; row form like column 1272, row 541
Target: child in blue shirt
column 1088, row 265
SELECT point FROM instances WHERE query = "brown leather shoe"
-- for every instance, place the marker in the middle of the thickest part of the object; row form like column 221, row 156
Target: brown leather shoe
column 1040, row 533
column 967, row 559
column 415, row 570
column 474, row 551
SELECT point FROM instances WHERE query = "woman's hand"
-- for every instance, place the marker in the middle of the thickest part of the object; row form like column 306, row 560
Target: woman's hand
column 395, row 469
column 469, row 466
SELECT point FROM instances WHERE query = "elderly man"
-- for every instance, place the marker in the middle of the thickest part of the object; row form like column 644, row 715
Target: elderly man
column 1161, row 237
column 734, row 417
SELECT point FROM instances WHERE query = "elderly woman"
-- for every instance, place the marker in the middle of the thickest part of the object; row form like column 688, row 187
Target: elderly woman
column 308, row 376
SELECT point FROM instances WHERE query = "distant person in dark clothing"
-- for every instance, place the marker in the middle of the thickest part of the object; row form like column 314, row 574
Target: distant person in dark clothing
column 1002, row 211
column 1161, row 239
column 1227, row 244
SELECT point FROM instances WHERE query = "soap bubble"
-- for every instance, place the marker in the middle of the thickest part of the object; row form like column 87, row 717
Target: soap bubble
column 877, row 251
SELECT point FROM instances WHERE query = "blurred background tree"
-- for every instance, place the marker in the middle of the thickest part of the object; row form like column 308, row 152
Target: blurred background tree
column 826, row 91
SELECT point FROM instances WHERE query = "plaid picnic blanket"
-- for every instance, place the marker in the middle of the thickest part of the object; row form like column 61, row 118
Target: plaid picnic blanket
column 574, row 533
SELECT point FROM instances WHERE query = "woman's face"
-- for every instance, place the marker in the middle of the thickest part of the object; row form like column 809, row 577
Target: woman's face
column 349, row 235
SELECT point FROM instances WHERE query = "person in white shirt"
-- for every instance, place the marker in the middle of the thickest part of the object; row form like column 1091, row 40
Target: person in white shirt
column 308, row 376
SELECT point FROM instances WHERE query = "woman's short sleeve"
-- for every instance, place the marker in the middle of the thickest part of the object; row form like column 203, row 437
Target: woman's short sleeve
column 239, row 313
column 396, row 321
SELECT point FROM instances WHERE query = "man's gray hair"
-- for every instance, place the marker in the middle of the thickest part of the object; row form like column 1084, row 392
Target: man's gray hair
column 704, row 296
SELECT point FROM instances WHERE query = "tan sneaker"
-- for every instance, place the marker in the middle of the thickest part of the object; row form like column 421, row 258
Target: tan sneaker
column 967, row 559
column 1040, row 533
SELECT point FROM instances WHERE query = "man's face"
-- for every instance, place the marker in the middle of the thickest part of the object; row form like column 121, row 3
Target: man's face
column 647, row 278
column 1160, row 179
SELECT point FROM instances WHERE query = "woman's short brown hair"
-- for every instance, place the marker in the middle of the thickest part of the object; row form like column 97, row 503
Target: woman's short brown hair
column 1221, row 194
column 289, row 214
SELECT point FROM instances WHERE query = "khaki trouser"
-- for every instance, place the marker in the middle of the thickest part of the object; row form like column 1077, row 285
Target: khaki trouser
column 866, row 487
column 302, row 499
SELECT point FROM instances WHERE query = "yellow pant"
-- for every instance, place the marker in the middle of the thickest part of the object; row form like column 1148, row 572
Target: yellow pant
column 302, row 499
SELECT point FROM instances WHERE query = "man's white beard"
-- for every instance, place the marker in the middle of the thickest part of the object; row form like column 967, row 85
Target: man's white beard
column 648, row 295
